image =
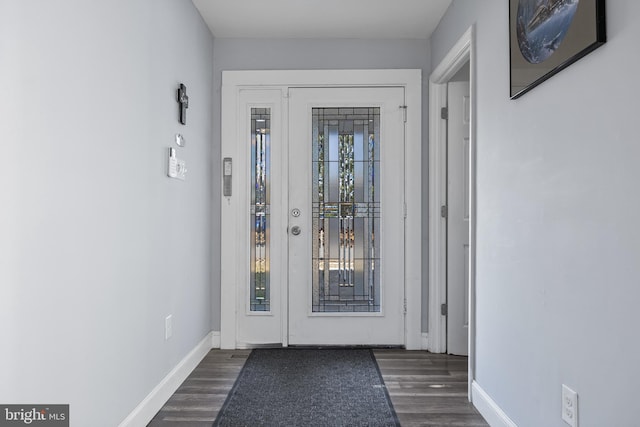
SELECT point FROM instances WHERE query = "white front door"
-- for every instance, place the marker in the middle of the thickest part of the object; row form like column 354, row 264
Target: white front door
column 318, row 185
column 346, row 216
column 458, row 218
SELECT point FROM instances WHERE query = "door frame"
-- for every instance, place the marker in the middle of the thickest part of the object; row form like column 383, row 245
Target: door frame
column 231, row 272
column 461, row 53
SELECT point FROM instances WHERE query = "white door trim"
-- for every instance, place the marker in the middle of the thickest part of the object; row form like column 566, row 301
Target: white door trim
column 461, row 53
column 411, row 80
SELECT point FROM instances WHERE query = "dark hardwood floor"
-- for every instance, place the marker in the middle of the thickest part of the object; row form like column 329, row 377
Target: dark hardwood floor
column 428, row 390
column 199, row 398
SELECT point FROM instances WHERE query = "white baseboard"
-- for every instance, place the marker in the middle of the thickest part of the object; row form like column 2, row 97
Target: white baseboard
column 488, row 408
column 425, row 341
column 215, row 339
column 151, row 404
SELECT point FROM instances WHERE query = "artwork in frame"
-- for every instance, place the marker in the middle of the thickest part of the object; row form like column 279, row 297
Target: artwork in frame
column 547, row 36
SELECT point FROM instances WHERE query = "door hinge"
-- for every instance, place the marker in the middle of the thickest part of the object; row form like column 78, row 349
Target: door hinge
column 404, row 308
column 404, row 210
column 444, row 212
column 444, row 310
column 444, row 113
column 404, row 112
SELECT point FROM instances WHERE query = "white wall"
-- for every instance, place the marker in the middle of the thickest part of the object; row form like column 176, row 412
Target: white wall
column 97, row 245
column 558, row 242
column 311, row 54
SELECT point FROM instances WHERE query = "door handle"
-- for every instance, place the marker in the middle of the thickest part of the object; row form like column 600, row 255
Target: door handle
column 295, row 230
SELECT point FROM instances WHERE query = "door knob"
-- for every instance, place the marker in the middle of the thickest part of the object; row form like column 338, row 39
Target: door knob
column 295, row 230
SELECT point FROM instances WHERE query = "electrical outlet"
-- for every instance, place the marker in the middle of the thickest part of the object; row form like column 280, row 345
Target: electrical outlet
column 569, row 406
column 168, row 327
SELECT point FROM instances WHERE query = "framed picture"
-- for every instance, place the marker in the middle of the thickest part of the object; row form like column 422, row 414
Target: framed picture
column 547, row 36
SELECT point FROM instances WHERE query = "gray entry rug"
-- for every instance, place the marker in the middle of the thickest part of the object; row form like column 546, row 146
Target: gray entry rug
column 309, row 387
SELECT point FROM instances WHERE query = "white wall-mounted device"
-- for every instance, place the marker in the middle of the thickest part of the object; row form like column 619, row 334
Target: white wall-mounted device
column 177, row 168
column 227, row 166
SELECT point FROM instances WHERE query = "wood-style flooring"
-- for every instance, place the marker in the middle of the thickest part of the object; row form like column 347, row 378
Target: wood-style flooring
column 427, row 390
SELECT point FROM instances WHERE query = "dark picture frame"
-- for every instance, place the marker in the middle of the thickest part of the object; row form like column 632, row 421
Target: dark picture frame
column 546, row 36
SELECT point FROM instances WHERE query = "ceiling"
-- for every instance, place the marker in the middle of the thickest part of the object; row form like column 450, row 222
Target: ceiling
column 362, row 19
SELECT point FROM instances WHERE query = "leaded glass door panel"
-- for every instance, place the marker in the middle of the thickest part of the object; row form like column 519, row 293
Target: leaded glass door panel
column 346, row 230
column 345, row 213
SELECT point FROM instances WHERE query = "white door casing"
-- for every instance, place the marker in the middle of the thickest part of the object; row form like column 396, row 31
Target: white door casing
column 385, row 327
column 234, row 223
column 462, row 52
column 458, row 217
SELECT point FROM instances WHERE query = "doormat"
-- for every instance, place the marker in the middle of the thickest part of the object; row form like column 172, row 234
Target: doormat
column 309, row 387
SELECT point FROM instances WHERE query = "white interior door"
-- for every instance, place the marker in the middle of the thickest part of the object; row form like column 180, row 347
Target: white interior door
column 458, row 218
column 346, row 216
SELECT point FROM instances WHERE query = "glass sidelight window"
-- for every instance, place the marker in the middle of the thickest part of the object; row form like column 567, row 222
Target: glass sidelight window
column 346, row 210
column 260, row 200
